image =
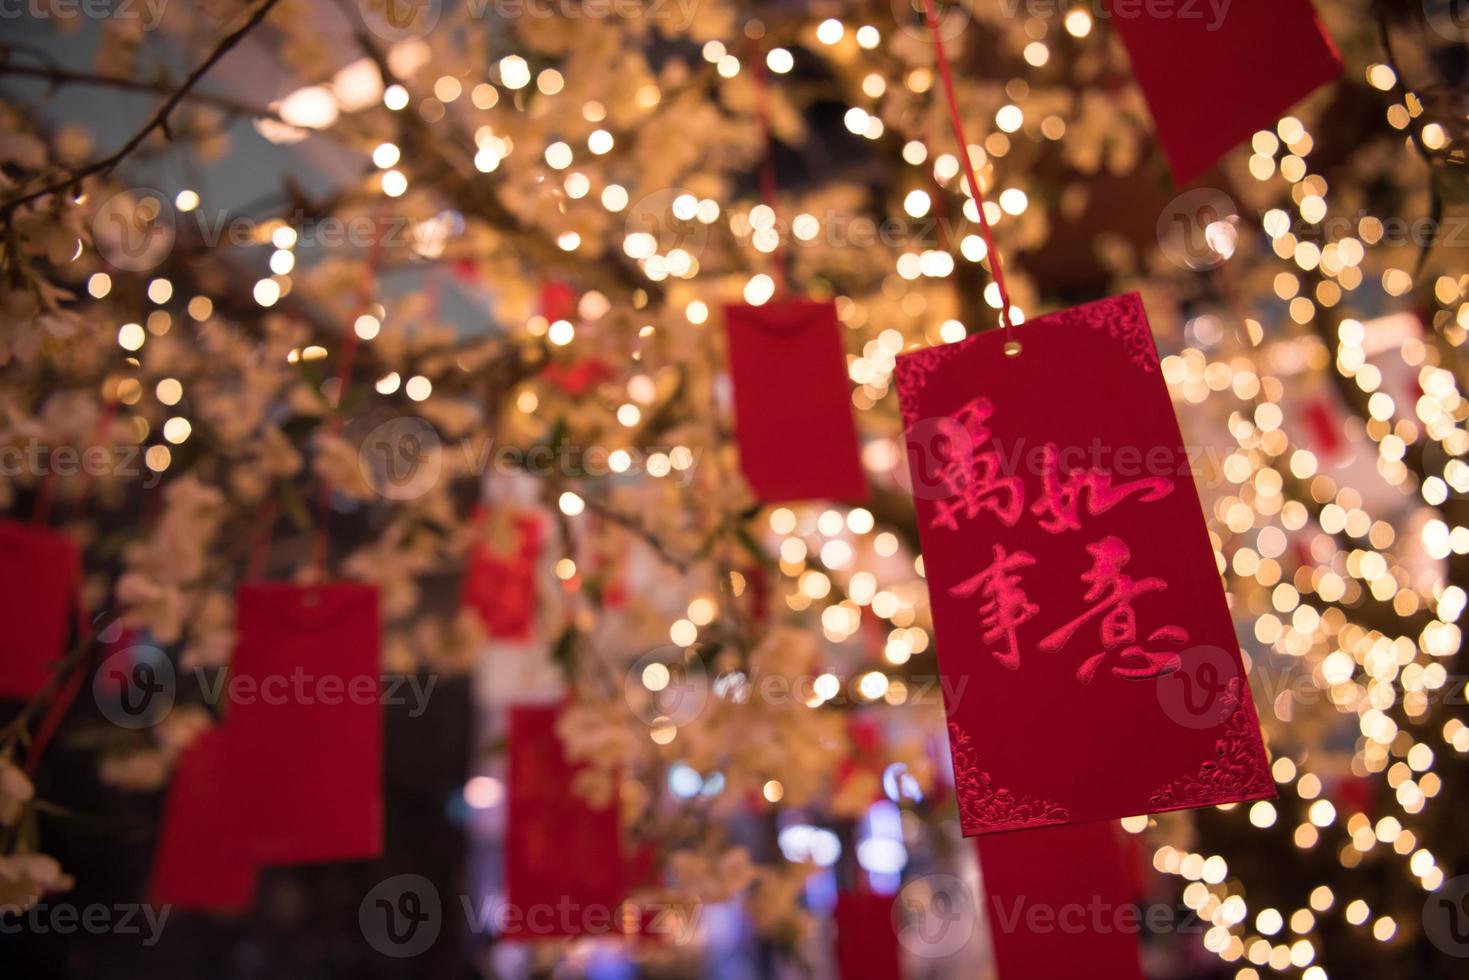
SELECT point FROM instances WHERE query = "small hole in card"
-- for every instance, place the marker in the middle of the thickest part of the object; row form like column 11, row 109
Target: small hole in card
column 1012, row 348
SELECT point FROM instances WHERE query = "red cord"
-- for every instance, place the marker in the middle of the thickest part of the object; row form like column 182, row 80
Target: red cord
column 344, row 373
column 984, row 225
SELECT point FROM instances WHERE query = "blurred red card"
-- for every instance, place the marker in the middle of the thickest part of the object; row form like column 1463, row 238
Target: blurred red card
column 793, row 402
column 1213, row 78
column 564, row 866
column 304, row 723
column 500, row 578
column 201, row 861
column 1059, row 904
column 866, row 940
column 1081, row 625
column 39, row 574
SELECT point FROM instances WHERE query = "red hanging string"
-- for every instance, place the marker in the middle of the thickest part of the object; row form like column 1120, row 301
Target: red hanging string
column 767, row 165
column 984, row 225
column 344, row 373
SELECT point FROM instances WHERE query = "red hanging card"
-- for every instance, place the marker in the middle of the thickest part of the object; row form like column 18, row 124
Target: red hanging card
column 1214, row 79
column 201, row 861
column 305, row 721
column 1059, row 904
column 793, row 402
column 39, row 574
column 1078, row 609
column 500, row 578
column 564, row 869
column 866, row 942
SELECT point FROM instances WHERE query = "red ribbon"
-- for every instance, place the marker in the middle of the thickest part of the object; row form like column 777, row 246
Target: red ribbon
column 984, row 225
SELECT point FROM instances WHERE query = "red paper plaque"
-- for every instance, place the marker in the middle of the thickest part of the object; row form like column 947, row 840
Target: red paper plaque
column 1213, row 79
column 564, row 866
column 202, row 861
column 305, row 721
column 866, row 943
column 1058, row 904
column 1078, row 610
column 500, row 578
column 39, row 573
column 793, row 402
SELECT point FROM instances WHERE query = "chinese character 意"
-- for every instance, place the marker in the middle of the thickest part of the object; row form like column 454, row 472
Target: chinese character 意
column 1004, row 606
column 1062, row 494
column 973, row 479
column 1112, row 593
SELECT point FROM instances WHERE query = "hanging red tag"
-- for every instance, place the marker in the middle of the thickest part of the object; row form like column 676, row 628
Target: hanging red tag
column 866, row 942
column 1090, row 662
column 793, row 402
column 500, row 578
column 1215, row 78
column 564, row 868
column 1058, row 904
column 305, row 721
column 201, row 861
column 39, row 574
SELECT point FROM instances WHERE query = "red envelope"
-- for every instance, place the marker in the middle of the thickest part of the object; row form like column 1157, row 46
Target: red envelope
column 501, row 586
column 305, row 722
column 201, row 861
column 1080, row 622
column 793, row 402
column 1212, row 80
column 564, row 867
column 866, row 941
column 39, row 574
column 1058, row 904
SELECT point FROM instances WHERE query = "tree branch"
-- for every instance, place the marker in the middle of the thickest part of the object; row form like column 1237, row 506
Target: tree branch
column 159, row 120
